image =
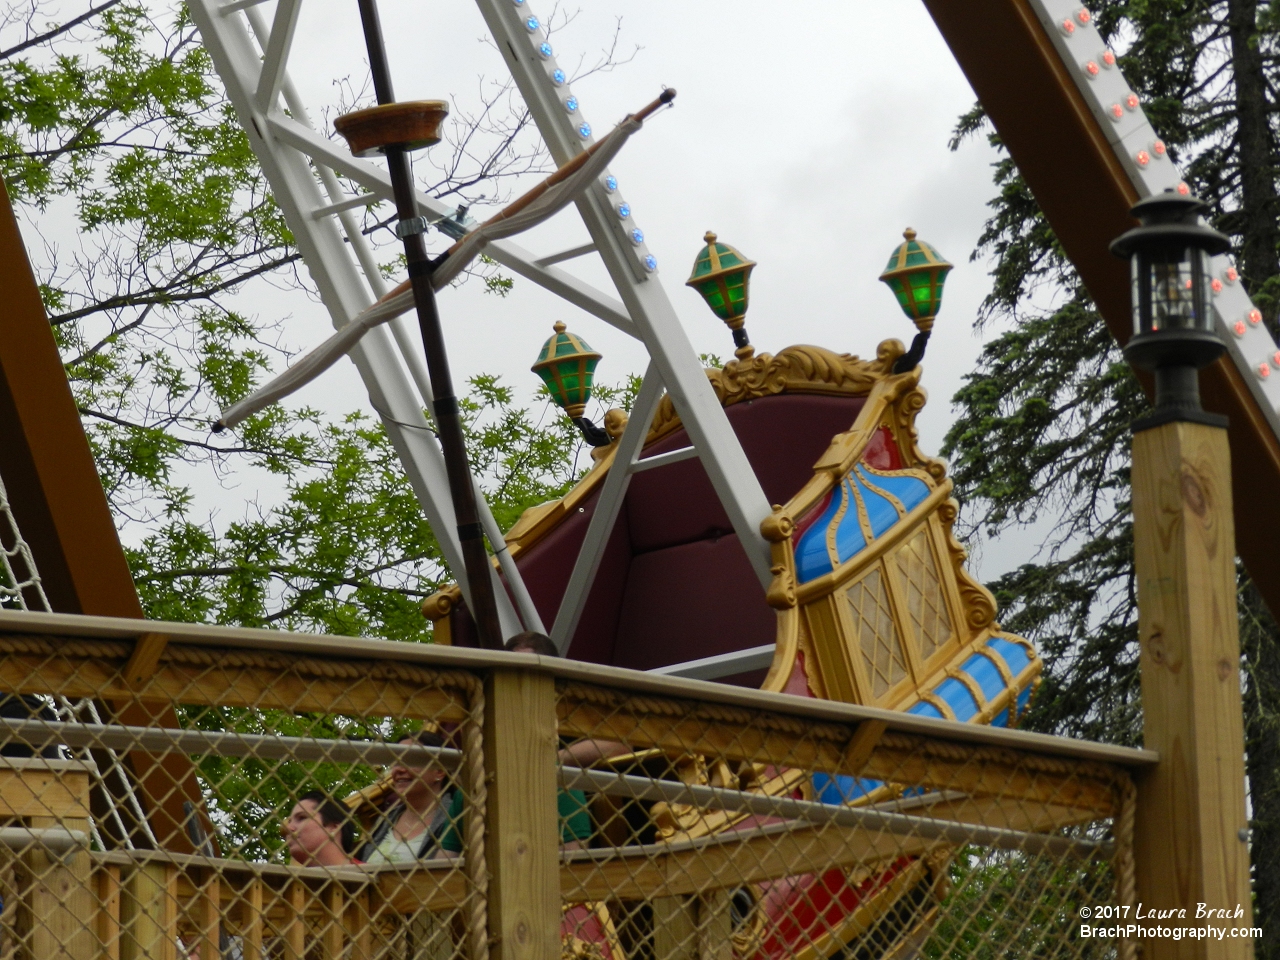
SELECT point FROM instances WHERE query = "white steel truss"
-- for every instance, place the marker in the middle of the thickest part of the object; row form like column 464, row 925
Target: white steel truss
column 303, row 167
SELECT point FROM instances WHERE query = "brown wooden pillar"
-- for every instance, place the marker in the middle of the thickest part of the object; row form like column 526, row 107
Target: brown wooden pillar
column 62, row 511
column 1191, row 833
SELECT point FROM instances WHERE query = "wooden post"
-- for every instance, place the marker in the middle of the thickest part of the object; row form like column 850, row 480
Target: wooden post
column 522, row 837
column 1190, row 842
column 149, row 913
column 252, row 926
column 675, row 928
column 109, row 912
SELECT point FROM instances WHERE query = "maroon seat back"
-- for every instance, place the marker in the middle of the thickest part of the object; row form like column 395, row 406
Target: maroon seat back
column 675, row 584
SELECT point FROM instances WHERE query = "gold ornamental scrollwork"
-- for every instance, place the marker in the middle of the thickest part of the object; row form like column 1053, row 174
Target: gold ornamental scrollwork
column 799, row 369
column 979, row 603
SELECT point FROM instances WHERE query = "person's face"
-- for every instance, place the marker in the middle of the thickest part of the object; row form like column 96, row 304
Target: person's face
column 305, row 834
column 415, row 785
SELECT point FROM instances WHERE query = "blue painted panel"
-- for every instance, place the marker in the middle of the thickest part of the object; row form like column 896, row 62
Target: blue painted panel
column 880, row 511
column 1002, row 718
column 812, row 559
column 849, row 537
column 910, row 490
column 1014, row 654
column 926, row 709
column 841, row 789
column 984, row 671
column 958, row 698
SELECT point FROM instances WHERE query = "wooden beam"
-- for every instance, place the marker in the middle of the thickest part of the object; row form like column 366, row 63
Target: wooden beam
column 997, row 777
column 145, row 659
column 522, row 835
column 1191, row 828
column 246, row 686
column 1085, row 194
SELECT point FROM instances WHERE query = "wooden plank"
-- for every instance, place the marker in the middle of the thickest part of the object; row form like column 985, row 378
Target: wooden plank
column 251, row 928
column 862, row 745
column 404, row 892
column 360, row 920
column 56, row 789
column 242, row 687
column 715, row 926
column 675, row 928
column 108, row 928
column 522, row 833
column 294, row 927
column 698, row 868
column 761, row 745
column 208, row 915
column 149, row 913
column 333, row 932
column 430, row 656
column 58, row 906
column 731, row 860
column 145, row 658
column 1191, row 828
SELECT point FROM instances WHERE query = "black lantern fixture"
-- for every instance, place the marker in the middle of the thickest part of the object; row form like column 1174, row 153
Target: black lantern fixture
column 1173, row 333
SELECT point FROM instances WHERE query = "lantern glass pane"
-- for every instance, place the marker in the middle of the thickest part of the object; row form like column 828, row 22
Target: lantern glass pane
column 1172, row 292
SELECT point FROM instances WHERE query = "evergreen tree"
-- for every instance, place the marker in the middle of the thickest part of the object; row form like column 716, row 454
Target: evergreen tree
column 1043, row 425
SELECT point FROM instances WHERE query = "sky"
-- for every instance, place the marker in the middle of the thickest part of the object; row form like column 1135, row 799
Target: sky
column 807, row 139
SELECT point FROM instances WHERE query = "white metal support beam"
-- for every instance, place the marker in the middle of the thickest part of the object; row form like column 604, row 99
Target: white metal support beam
column 277, row 53
column 342, row 287
column 523, row 42
column 295, row 156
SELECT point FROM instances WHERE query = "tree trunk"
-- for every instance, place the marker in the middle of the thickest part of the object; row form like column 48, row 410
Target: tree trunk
column 1259, row 260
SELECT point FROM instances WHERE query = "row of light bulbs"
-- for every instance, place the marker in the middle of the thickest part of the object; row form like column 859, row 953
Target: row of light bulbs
column 534, row 28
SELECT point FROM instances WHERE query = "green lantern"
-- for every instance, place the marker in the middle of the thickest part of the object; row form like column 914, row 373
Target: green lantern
column 567, row 364
column 915, row 274
column 720, row 275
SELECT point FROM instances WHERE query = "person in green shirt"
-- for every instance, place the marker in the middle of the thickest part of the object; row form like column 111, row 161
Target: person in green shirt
column 575, row 819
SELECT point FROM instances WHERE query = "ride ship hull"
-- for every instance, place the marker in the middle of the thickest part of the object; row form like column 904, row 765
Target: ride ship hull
column 870, row 603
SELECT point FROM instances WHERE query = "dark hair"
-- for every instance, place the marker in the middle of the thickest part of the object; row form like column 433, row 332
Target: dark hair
column 533, row 642
column 426, row 738
column 333, row 814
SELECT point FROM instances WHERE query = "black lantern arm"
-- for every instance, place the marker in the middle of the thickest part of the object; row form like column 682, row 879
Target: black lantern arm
column 911, row 359
column 595, row 436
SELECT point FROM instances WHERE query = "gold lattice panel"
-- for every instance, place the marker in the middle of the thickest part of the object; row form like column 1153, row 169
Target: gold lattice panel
column 873, row 627
column 926, row 605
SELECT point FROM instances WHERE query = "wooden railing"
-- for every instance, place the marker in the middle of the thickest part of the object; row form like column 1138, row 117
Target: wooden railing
column 735, row 825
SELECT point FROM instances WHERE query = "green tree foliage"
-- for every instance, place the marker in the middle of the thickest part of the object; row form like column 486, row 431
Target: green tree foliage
column 147, row 216
column 1042, row 431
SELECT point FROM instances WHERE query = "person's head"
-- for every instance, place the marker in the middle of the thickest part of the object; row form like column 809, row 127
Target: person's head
column 533, row 642
column 419, row 786
column 319, row 831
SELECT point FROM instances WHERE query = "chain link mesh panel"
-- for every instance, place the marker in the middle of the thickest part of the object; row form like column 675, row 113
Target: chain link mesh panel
column 300, row 810
column 709, row 831
column 275, row 821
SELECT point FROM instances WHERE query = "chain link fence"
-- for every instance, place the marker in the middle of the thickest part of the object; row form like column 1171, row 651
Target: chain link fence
column 330, row 799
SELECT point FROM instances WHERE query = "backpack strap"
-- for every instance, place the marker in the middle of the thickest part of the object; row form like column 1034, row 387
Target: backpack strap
column 439, row 824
